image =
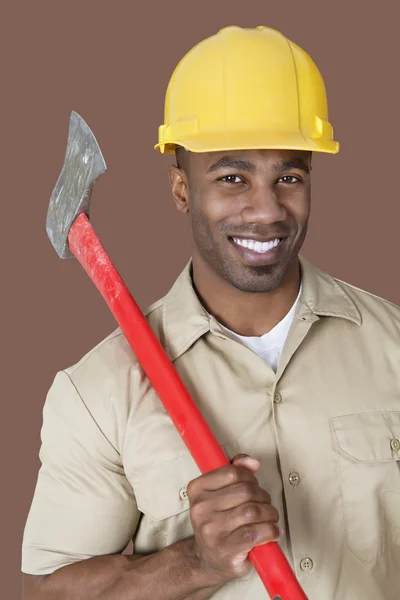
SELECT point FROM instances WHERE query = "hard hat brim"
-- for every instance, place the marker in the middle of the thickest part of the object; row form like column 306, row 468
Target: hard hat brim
column 223, row 141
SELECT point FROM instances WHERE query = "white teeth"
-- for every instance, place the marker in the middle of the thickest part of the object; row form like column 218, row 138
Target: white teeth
column 259, row 247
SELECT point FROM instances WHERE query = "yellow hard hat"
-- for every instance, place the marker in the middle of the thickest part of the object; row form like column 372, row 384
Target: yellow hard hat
column 246, row 89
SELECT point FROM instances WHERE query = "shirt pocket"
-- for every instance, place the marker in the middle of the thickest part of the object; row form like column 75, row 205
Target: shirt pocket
column 161, row 490
column 368, row 446
column 160, row 493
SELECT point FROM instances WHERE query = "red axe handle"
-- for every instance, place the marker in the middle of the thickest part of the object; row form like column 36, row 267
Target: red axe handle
column 268, row 559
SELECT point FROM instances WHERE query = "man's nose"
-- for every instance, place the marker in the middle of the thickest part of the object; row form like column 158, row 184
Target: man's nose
column 263, row 206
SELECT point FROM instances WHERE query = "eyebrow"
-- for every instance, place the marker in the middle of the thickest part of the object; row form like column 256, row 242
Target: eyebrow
column 296, row 163
column 244, row 165
column 231, row 163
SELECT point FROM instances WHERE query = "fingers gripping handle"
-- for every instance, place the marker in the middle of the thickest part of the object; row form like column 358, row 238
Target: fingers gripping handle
column 268, row 560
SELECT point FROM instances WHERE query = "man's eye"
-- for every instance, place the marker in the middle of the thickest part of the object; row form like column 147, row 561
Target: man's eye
column 232, row 179
column 289, row 179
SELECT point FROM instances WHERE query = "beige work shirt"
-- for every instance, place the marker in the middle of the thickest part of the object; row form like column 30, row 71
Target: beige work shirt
column 325, row 427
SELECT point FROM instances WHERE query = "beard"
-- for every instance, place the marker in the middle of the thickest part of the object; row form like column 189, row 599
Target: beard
column 224, row 261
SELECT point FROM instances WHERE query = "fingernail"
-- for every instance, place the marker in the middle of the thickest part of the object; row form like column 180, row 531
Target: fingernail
column 253, row 461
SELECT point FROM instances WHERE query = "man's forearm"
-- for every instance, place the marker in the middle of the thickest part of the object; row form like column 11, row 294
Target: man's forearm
column 171, row 574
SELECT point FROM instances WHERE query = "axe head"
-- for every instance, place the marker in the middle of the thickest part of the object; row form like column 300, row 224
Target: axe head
column 83, row 164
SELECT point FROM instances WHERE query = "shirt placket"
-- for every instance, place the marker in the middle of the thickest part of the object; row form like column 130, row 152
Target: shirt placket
column 301, row 552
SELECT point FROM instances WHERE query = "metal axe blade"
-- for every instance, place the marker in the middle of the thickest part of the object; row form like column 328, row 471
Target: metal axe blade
column 83, row 164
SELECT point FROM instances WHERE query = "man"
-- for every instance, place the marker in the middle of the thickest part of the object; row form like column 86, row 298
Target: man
column 296, row 373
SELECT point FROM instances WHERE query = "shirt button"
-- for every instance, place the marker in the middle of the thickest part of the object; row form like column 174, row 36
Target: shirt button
column 306, row 564
column 395, row 444
column 277, row 398
column 183, row 493
column 294, row 478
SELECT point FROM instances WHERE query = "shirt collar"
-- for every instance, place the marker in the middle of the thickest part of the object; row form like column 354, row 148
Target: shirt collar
column 185, row 319
column 324, row 296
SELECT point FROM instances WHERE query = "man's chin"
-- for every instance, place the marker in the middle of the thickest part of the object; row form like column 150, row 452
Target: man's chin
column 256, row 280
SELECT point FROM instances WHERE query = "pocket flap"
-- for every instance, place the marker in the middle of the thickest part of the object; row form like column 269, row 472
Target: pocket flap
column 160, row 491
column 368, row 437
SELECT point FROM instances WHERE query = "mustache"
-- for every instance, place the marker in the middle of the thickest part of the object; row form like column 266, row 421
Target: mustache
column 257, row 229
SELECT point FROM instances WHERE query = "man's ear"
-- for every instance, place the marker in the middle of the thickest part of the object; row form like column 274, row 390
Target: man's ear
column 179, row 188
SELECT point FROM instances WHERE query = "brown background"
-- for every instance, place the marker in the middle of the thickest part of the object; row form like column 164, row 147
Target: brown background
column 111, row 61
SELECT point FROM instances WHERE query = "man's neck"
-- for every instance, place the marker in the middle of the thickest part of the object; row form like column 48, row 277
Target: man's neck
column 248, row 314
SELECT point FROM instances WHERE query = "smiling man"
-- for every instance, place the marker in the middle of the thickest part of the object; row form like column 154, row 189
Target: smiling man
column 249, row 212
column 296, row 372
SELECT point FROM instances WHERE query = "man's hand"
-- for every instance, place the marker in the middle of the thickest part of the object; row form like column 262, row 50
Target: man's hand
column 230, row 515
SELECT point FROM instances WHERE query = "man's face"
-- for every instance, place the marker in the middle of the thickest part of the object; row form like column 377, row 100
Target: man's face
column 249, row 212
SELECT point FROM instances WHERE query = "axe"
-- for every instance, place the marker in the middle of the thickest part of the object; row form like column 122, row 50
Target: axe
column 71, row 234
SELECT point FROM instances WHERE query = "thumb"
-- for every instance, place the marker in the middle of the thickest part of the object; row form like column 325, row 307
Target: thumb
column 246, row 461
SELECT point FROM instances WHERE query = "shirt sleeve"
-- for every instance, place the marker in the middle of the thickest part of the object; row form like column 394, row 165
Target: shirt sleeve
column 83, row 505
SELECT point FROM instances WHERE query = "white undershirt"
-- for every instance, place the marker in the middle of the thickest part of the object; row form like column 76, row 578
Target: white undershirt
column 270, row 345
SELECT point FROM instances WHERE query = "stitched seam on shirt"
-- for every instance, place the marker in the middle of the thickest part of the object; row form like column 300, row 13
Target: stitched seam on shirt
column 189, row 343
column 371, row 412
column 186, row 345
column 109, row 338
column 146, row 470
column 139, row 474
column 46, row 549
column 344, row 519
column 338, row 289
column 353, row 458
column 156, row 518
column 366, row 462
column 339, row 315
column 77, row 509
column 344, row 296
column 89, row 412
column 363, row 560
column 329, row 313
